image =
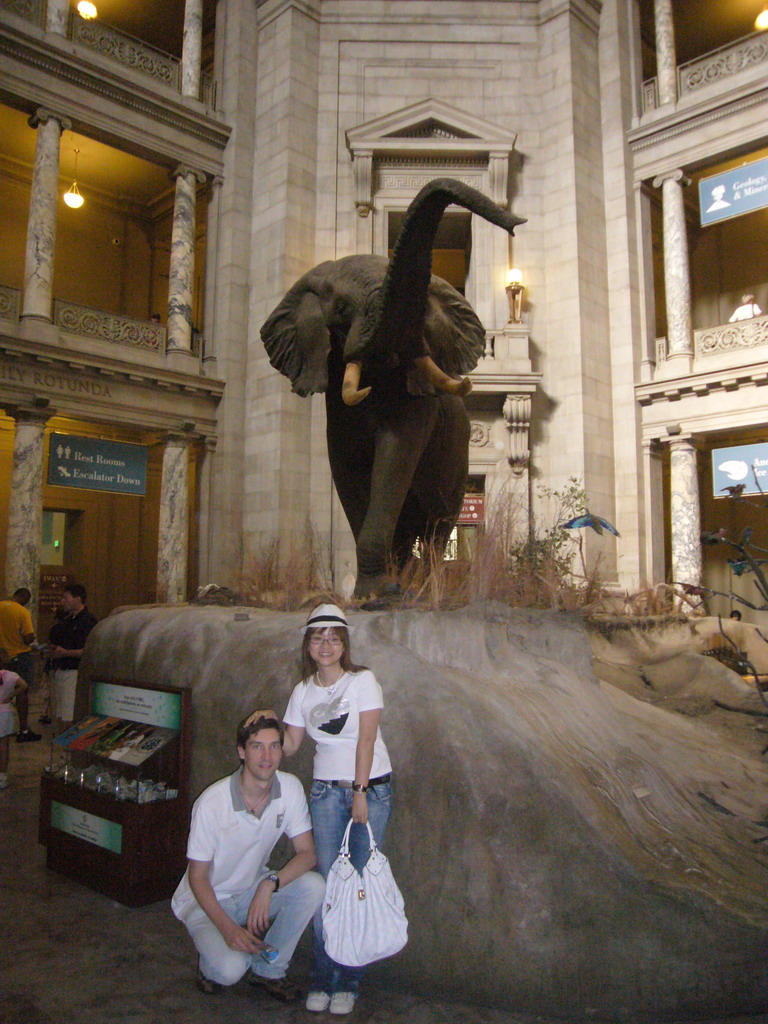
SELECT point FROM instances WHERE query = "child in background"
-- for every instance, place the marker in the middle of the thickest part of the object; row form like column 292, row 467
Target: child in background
column 11, row 685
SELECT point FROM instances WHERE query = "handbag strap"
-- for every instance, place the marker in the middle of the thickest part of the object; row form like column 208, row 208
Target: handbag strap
column 344, row 848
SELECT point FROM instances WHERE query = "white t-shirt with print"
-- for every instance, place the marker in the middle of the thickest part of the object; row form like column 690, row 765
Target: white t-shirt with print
column 8, row 682
column 332, row 719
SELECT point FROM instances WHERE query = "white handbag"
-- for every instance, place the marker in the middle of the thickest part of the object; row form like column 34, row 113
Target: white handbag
column 363, row 915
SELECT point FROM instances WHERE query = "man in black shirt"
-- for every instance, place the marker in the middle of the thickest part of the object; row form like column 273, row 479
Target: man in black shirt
column 68, row 637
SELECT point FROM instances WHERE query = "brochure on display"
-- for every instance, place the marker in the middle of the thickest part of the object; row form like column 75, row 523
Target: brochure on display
column 116, row 738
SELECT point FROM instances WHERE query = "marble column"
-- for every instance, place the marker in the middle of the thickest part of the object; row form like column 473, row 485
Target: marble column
column 677, row 281
column 41, row 226
column 653, row 490
column 666, row 57
column 173, row 534
column 685, row 512
column 191, row 48
column 25, row 509
column 182, row 268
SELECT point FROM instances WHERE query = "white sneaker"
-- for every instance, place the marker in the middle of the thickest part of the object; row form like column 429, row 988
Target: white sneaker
column 343, row 1002
column 318, row 1001
column 3, row 780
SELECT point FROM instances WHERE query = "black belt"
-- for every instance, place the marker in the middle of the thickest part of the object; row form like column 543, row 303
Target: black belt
column 348, row 784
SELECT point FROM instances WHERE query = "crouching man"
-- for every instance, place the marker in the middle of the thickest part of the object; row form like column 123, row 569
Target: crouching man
column 237, row 911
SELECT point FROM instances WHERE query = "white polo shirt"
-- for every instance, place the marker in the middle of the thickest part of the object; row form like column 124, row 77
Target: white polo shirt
column 235, row 841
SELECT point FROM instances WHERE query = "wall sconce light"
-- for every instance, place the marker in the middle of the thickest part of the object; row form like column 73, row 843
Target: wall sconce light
column 514, row 292
column 86, row 10
column 72, row 196
column 761, row 21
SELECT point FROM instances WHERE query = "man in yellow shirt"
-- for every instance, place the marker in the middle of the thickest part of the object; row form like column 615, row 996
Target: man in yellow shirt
column 16, row 635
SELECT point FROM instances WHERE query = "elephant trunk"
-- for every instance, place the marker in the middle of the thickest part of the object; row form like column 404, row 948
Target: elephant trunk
column 405, row 287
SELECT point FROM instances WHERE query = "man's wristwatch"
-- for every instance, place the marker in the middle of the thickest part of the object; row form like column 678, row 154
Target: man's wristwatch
column 358, row 787
column 274, row 878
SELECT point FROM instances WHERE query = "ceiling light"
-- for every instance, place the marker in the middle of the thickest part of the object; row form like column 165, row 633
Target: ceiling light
column 86, row 10
column 761, row 21
column 72, row 196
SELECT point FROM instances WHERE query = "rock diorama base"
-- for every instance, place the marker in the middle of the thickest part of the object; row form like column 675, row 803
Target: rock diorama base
column 563, row 847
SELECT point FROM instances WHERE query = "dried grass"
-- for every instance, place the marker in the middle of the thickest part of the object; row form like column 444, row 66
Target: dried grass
column 287, row 577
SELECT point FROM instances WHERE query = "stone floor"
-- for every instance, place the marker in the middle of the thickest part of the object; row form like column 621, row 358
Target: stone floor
column 71, row 956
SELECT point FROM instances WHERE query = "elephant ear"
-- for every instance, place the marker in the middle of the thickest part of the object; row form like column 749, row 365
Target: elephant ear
column 296, row 337
column 453, row 332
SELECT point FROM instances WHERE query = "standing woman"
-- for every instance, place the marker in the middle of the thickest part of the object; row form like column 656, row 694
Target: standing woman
column 339, row 705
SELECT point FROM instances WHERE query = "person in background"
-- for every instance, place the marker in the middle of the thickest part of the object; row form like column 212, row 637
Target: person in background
column 16, row 635
column 11, row 685
column 155, row 318
column 746, row 310
column 71, row 634
column 736, row 614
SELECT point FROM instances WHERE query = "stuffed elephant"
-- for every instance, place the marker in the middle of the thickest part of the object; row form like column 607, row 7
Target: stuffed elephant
column 388, row 343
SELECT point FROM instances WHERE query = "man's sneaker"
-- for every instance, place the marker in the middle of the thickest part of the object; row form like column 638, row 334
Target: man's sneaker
column 343, row 1002
column 205, row 985
column 279, row 988
column 27, row 736
column 4, row 785
column 317, row 1001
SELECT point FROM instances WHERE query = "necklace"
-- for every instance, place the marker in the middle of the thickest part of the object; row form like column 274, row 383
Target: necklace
column 259, row 803
column 330, row 690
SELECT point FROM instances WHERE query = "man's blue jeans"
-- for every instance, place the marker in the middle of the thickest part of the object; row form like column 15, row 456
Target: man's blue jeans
column 331, row 809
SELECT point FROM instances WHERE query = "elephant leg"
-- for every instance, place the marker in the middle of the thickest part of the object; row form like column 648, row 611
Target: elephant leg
column 441, row 477
column 397, row 455
column 350, row 454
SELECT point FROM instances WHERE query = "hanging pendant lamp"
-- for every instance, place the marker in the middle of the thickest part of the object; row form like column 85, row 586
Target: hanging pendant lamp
column 761, row 21
column 72, row 196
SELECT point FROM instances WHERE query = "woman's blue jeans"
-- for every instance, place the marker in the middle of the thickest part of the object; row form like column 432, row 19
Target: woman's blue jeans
column 331, row 809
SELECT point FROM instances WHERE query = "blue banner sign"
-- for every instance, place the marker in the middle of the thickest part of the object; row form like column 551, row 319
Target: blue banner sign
column 739, row 470
column 97, row 465
column 734, row 192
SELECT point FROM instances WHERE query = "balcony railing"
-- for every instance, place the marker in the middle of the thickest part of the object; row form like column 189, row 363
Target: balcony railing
column 10, row 303
column 723, row 339
column 742, row 334
column 117, row 46
column 120, row 330
column 711, row 67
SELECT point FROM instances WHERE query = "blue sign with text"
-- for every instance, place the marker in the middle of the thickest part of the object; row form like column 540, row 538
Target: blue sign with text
column 732, row 193
column 97, row 465
column 739, row 470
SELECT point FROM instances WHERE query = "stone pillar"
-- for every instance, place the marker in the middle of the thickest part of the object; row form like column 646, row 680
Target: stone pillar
column 204, row 506
column 666, row 57
column 56, row 16
column 212, row 250
column 173, row 534
column 685, row 512
column 25, row 509
column 653, row 561
column 182, row 266
column 677, row 280
column 191, row 48
column 41, row 226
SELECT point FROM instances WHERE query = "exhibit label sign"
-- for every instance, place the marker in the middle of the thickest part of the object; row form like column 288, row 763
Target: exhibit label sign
column 741, row 468
column 93, row 829
column 137, row 704
column 732, row 193
column 97, row 465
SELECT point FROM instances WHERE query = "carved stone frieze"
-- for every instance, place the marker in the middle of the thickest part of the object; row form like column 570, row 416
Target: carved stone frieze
column 517, row 420
column 121, row 330
column 729, row 337
column 729, row 60
column 479, row 434
column 10, row 303
column 126, row 50
column 31, row 10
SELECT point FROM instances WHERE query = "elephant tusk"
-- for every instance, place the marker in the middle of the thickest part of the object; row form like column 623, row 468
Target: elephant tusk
column 440, row 379
column 350, row 393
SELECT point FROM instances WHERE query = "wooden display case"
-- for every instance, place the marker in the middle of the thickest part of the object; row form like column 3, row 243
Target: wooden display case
column 109, row 838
